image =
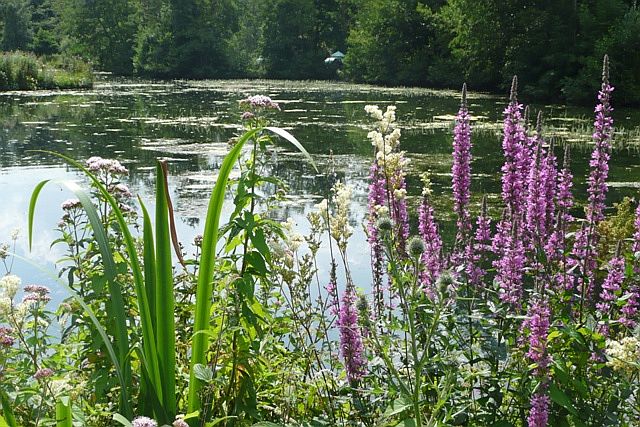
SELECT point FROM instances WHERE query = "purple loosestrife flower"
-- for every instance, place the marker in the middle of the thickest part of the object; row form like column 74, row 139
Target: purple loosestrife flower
column 332, row 290
column 461, row 169
column 509, row 269
column 536, row 210
column 584, row 252
column 428, row 231
column 376, row 202
column 516, row 158
column 399, row 212
column 480, row 246
column 537, row 326
column 539, row 414
column 612, row 286
column 351, row 346
column 630, row 309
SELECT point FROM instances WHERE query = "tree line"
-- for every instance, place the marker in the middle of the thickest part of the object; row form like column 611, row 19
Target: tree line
column 554, row 46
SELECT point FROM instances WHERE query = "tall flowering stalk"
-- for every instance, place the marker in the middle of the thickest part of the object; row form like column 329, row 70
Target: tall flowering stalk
column 611, row 288
column 428, row 230
column 509, row 268
column 351, row 346
column 516, row 155
column 480, row 246
column 537, row 326
column 629, row 311
column 391, row 164
column 461, row 169
column 376, row 203
column 584, row 253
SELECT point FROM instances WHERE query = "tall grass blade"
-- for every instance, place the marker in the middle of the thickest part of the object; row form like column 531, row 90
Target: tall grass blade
column 207, row 262
column 149, row 260
column 165, row 319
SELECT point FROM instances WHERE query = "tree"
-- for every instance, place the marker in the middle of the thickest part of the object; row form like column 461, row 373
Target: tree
column 16, row 16
column 102, row 30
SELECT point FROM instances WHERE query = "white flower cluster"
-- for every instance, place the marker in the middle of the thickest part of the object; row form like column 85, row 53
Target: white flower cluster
column 341, row 231
column 9, row 286
column 292, row 239
column 624, row 355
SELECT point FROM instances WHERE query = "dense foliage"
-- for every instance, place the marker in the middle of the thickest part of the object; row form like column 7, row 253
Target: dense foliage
column 24, row 71
column 554, row 46
column 527, row 318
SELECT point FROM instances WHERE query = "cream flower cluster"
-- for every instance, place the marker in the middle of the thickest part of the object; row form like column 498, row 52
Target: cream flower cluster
column 624, row 355
column 339, row 226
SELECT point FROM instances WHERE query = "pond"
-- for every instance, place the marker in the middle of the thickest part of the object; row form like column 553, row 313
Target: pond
column 188, row 123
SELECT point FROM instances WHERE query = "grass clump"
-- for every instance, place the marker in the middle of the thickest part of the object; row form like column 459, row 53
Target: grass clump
column 26, row 71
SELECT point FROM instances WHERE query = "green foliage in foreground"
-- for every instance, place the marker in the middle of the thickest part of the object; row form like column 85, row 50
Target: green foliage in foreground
column 25, row 71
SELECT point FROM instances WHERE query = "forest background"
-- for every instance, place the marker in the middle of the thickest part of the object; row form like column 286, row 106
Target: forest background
column 554, row 46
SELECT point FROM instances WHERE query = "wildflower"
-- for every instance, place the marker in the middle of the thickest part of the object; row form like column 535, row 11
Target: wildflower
column 98, row 164
column 5, row 305
column 144, row 422
column 376, row 201
column 373, row 111
column 351, row 346
column 537, row 324
column 70, row 204
column 612, row 284
column 341, row 231
column 461, row 169
column 539, row 414
column 509, row 269
column 197, row 240
column 9, row 285
column 260, row 102
column 428, row 231
column 247, row 115
column 480, row 245
column 4, row 250
column 122, row 191
column 515, row 165
column 179, row 422
column 585, row 254
column 332, row 290
column 14, row 234
column 6, row 337
column 43, row 373
column 624, row 355
column 38, row 289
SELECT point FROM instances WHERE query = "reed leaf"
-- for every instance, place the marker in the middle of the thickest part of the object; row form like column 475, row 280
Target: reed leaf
column 165, row 319
column 207, row 262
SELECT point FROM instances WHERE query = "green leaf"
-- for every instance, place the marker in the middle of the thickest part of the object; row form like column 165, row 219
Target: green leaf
column 559, row 397
column 266, row 424
column 122, row 420
column 204, row 288
column 8, row 417
column 64, row 417
column 397, row 407
column 292, row 139
column 165, row 299
column 203, row 373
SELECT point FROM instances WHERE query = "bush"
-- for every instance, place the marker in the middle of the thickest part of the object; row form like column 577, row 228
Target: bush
column 25, row 71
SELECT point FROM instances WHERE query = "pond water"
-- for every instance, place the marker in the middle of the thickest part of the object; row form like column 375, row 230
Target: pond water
column 188, row 123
